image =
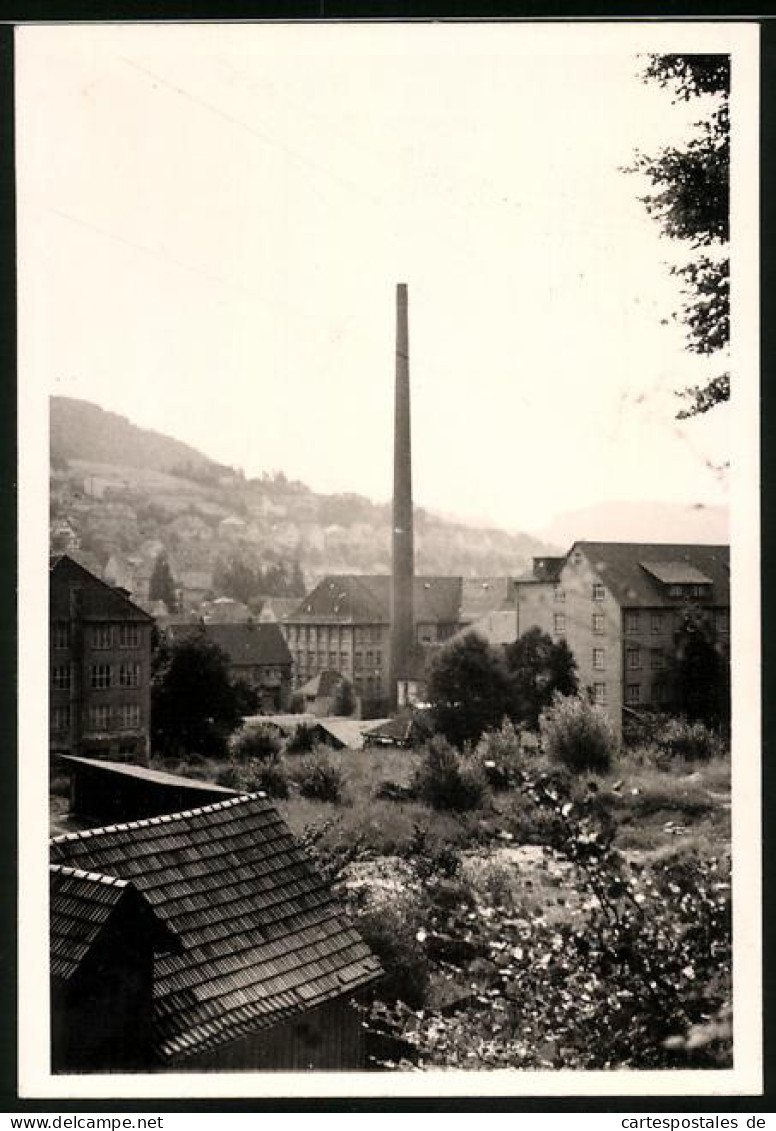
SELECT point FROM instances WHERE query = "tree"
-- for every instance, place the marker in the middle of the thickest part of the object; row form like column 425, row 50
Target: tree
column 237, row 579
column 690, row 200
column 194, row 705
column 538, row 668
column 700, row 674
column 161, row 586
column 468, row 689
column 344, row 699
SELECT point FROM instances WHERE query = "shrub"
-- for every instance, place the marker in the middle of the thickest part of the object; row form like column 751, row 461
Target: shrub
column 256, row 776
column 394, row 939
column 678, row 738
column 302, row 740
column 260, row 743
column 446, row 779
column 319, row 779
column 499, row 755
column 578, row 735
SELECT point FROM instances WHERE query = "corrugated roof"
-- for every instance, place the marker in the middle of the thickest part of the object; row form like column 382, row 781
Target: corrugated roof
column 627, row 569
column 100, row 601
column 249, row 643
column 262, row 936
column 82, row 904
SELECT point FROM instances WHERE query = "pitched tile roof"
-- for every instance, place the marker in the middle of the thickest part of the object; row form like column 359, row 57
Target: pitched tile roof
column 82, row 904
column 366, row 599
column 262, row 937
column 100, row 601
column 628, row 569
column 248, row 643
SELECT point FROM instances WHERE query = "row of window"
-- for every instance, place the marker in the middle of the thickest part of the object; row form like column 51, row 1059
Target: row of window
column 633, row 692
column 324, row 634
column 100, row 717
column 100, row 636
column 100, row 676
column 633, row 622
column 632, row 659
column 319, row 659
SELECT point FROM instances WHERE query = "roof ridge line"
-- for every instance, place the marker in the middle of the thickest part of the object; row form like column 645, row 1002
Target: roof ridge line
column 94, row 877
column 162, row 819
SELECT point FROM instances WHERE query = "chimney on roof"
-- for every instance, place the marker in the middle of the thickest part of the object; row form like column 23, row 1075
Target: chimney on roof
column 403, row 567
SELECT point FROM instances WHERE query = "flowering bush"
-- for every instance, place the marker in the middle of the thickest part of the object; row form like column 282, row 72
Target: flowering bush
column 498, row 753
column 578, row 735
column 446, row 779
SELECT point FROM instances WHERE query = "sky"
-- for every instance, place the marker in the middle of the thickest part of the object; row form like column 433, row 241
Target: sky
column 213, row 220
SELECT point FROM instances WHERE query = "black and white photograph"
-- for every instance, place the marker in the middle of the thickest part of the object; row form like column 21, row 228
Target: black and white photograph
column 389, row 558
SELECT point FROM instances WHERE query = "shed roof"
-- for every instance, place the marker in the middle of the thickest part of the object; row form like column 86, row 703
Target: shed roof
column 262, row 936
column 144, row 773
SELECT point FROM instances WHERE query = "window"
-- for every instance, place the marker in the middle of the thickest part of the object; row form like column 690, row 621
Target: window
column 632, row 620
column 632, row 658
column 598, row 624
column 100, row 676
column 343, row 660
column 674, row 591
column 60, row 677
column 60, row 719
column 599, row 593
column 359, row 659
column 102, row 636
column 370, row 659
column 722, row 620
column 599, row 659
column 599, row 694
column 99, row 717
column 559, row 593
column 129, row 636
column 632, row 694
column 129, row 675
column 128, row 715
column 310, row 659
column 560, row 622
column 657, row 622
column 657, row 660
column 60, row 634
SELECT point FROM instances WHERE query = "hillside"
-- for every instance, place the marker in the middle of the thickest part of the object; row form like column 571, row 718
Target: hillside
column 225, row 534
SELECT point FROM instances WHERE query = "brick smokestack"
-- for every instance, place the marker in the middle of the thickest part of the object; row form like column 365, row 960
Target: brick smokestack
column 403, row 568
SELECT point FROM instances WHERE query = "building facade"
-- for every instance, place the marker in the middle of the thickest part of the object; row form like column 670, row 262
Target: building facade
column 621, row 607
column 258, row 655
column 343, row 625
column 99, row 667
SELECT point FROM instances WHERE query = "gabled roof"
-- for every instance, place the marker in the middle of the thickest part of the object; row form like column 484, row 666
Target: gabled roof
column 366, row 599
column 322, row 685
column 628, row 569
column 262, row 937
column 100, row 601
column 248, row 643
column 83, row 905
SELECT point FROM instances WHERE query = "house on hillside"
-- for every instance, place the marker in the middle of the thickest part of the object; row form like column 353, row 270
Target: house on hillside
column 258, row 655
column 99, row 666
column 344, row 624
column 620, row 605
column 231, row 953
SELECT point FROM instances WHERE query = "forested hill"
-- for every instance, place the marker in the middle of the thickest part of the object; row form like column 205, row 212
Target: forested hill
column 117, row 489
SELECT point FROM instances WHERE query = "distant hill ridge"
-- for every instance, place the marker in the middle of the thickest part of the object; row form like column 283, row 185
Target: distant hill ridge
column 82, row 430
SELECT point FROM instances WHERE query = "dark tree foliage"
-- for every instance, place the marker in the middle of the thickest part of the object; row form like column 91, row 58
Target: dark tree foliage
column 344, row 699
column 468, row 689
column 538, row 668
column 244, row 582
column 161, row 586
column 700, row 676
column 690, row 199
column 194, row 705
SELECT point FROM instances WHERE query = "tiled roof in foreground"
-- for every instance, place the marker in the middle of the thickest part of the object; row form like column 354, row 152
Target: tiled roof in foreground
column 262, row 937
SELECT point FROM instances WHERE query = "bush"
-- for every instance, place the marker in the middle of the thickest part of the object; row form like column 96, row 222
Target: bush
column 499, row 755
column 394, row 939
column 302, row 740
column 256, row 776
column 446, row 779
column 578, row 735
column 258, row 743
column 319, row 779
column 678, row 738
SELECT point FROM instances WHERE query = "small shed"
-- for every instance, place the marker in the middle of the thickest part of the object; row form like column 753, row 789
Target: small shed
column 269, row 964
column 121, row 791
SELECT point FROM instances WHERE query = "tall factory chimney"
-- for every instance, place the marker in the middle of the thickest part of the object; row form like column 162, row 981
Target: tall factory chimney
column 403, row 567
